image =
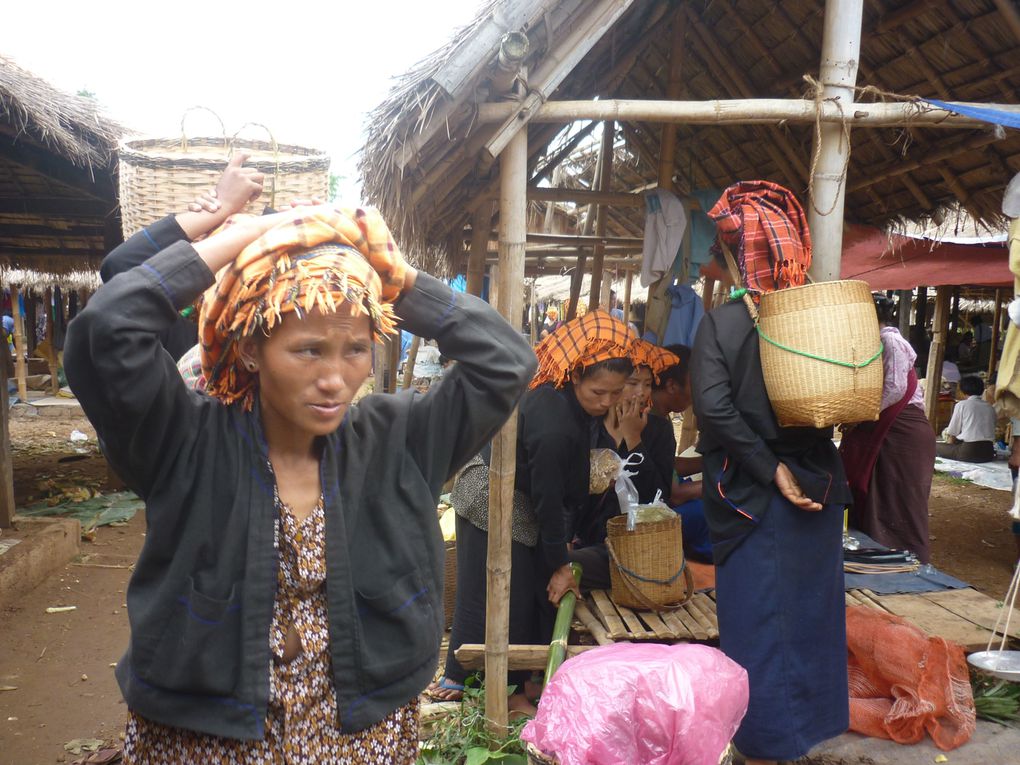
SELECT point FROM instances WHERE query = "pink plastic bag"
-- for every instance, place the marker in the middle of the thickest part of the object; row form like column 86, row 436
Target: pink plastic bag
column 634, row 703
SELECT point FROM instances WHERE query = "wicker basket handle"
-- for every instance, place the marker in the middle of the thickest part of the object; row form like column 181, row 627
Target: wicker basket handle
column 626, row 574
column 276, row 155
column 731, row 266
column 184, row 117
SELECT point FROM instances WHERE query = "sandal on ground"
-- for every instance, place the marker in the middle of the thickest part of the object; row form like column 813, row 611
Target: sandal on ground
column 444, row 689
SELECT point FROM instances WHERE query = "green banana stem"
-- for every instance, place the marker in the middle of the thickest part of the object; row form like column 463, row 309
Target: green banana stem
column 561, row 629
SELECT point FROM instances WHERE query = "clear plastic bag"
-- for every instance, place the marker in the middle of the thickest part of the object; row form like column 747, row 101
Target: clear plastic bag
column 634, row 703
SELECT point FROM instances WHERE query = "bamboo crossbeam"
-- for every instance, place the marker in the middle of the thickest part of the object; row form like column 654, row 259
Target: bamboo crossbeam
column 746, row 111
column 586, row 197
column 519, row 657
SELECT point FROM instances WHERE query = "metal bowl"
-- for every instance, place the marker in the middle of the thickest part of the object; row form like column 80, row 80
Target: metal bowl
column 1001, row 664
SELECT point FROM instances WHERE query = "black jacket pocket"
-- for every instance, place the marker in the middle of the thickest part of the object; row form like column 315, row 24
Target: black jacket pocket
column 403, row 628
column 199, row 650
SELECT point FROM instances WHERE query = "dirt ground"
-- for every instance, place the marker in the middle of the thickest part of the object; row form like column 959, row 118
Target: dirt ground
column 61, row 664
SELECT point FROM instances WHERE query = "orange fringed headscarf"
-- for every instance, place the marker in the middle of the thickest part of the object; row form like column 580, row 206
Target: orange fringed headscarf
column 317, row 259
column 658, row 359
column 584, row 341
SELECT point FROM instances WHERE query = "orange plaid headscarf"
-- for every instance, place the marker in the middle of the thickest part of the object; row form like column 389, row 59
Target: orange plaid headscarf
column 319, row 258
column 584, row 341
column 658, row 359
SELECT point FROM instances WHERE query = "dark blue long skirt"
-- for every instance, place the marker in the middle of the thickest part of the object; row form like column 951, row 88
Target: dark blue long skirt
column 782, row 617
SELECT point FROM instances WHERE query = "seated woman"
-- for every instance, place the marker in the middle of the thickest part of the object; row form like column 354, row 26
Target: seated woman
column 583, row 367
column 672, row 393
column 971, row 429
column 288, row 596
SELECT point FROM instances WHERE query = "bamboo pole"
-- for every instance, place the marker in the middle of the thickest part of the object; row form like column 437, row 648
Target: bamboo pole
column 51, row 351
column 480, row 221
column 20, row 367
column 512, row 243
column 605, row 176
column 993, row 355
column 533, row 323
column 577, row 277
column 7, row 506
column 937, row 352
column 519, row 657
column 841, row 48
column 412, row 357
column 627, row 287
column 561, row 628
column 583, row 196
column 748, row 111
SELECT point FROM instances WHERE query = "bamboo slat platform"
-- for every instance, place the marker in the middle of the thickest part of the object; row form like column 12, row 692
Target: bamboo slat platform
column 963, row 616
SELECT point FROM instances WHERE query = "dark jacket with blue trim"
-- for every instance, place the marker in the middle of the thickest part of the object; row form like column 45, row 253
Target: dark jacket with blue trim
column 201, row 598
column 740, row 440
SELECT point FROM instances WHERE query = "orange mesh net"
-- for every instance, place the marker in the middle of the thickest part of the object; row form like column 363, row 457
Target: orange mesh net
column 904, row 683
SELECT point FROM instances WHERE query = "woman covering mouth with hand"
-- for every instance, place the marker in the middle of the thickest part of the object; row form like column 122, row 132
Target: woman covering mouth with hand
column 288, row 599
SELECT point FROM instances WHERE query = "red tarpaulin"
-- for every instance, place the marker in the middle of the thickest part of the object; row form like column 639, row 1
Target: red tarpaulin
column 901, row 263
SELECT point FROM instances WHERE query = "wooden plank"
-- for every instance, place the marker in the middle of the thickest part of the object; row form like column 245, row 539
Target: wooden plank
column 936, row 620
column 533, row 657
column 698, row 632
column 707, row 606
column 975, row 607
column 656, row 625
column 676, row 624
column 595, row 627
column 868, row 598
column 703, row 621
column 607, row 612
column 634, row 625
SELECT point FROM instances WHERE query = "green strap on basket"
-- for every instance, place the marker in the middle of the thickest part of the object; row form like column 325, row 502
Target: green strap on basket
column 850, row 364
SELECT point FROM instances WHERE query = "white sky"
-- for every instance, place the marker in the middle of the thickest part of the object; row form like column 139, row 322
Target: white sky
column 307, row 70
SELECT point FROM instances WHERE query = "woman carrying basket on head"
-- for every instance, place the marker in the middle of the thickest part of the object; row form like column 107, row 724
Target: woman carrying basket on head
column 583, row 367
column 287, row 599
column 774, row 501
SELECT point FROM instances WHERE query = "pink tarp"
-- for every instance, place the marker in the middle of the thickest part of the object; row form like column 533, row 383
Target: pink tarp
column 900, row 262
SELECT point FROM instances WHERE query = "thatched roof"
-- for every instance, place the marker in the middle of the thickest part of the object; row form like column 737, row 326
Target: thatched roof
column 425, row 166
column 58, row 201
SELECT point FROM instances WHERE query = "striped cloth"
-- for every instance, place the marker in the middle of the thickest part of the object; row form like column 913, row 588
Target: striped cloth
column 319, row 258
column 579, row 343
column 658, row 359
column 765, row 227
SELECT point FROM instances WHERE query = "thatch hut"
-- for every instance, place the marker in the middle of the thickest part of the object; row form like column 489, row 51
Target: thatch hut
column 58, row 205
column 832, row 100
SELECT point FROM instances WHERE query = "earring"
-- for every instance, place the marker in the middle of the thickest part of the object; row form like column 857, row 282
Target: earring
column 251, row 366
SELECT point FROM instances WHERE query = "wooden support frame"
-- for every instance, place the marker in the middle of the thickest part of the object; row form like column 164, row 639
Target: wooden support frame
column 481, row 219
column 936, row 354
column 20, row 365
column 7, row 506
column 513, row 226
column 993, row 355
column 602, row 214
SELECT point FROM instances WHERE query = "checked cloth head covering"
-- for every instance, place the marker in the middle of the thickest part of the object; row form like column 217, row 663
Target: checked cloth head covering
column 318, row 259
column 765, row 227
column 584, row 341
column 645, row 354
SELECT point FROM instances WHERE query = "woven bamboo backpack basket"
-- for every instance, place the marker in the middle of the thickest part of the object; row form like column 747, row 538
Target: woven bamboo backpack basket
column 647, row 570
column 160, row 176
column 821, row 354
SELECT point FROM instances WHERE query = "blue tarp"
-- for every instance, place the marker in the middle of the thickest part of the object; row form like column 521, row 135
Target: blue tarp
column 994, row 116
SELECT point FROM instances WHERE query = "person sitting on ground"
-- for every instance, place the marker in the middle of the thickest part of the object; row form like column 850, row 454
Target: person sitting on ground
column 288, row 596
column 671, row 394
column 583, row 368
column 971, row 431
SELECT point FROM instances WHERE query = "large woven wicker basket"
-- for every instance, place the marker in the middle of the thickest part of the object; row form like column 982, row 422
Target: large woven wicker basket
column 647, row 570
column 821, row 354
column 160, row 176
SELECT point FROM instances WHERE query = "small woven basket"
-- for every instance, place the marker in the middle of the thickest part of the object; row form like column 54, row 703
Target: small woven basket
column 162, row 176
column 450, row 583
column 821, row 354
column 647, row 568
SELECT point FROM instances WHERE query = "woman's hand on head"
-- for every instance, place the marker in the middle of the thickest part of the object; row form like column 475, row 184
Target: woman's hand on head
column 560, row 583
column 790, row 489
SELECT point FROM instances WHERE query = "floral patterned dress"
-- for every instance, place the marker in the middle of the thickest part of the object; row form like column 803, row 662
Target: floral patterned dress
column 302, row 719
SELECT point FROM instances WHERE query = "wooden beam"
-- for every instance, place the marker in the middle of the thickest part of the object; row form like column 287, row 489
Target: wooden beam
column 627, row 286
column 51, row 350
column 586, row 197
column 674, row 89
column 830, row 164
column 97, row 183
column 936, row 354
column 909, row 12
column 602, row 215
column 481, row 219
column 555, row 161
column 7, row 505
column 748, row 111
column 412, row 358
column 513, row 227
column 1011, row 15
column 63, row 207
column 519, row 657
column 897, row 167
column 20, row 369
column 12, row 230
column 993, row 355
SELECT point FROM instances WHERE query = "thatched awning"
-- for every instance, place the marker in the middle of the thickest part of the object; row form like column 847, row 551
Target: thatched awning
column 58, row 200
column 426, row 165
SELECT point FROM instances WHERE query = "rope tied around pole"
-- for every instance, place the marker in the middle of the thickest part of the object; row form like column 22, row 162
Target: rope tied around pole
column 817, row 90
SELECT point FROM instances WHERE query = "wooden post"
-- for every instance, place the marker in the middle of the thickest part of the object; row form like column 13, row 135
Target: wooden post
column 6, row 456
column 658, row 306
column 412, row 357
column 577, row 278
column 954, row 312
column 604, row 179
column 921, row 314
column 933, row 378
column 31, row 307
column 627, row 286
column 51, row 354
column 903, row 306
column 533, row 309
column 841, row 51
column 20, row 368
column 392, row 362
column 481, row 222
column 993, row 355
column 513, row 232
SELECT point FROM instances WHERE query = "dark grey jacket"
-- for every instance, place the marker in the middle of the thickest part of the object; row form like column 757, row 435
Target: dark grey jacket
column 201, row 597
